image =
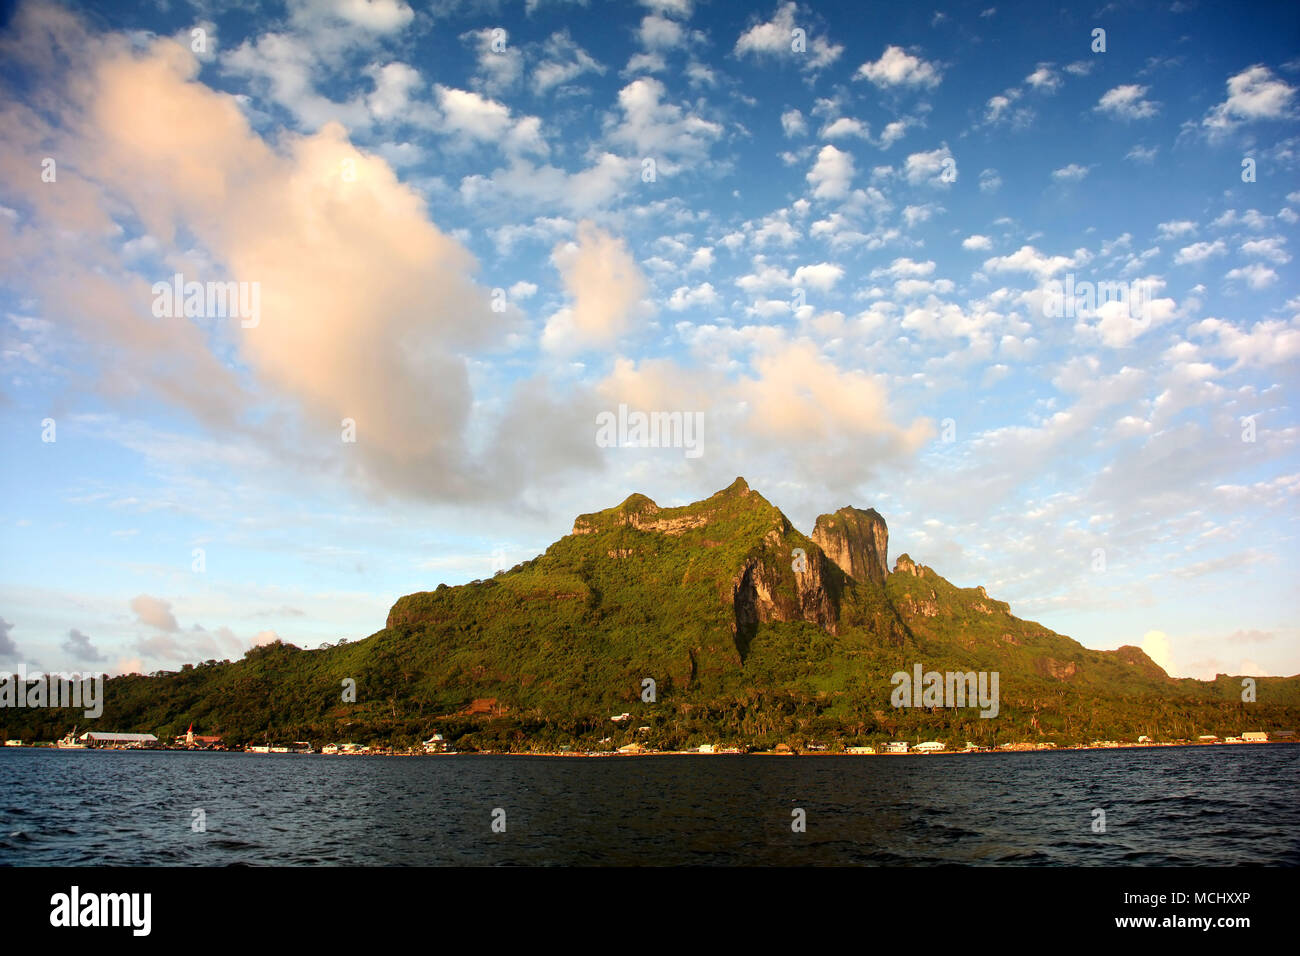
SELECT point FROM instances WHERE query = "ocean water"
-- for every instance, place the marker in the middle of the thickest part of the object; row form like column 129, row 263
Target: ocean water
column 1205, row 806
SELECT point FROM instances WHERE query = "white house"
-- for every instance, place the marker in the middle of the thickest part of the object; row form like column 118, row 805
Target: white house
column 929, row 747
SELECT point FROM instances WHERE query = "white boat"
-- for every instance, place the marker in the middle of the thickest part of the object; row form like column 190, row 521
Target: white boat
column 69, row 742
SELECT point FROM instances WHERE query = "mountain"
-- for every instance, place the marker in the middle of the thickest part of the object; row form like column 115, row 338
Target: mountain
column 752, row 633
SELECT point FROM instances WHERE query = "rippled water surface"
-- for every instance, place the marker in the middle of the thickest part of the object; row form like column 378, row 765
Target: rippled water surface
column 1163, row 807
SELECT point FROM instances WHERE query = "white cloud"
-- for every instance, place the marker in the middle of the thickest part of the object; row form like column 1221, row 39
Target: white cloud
column 1253, row 94
column 1030, row 260
column 498, row 70
column 1044, row 79
column 1199, row 252
column 831, row 174
column 660, row 33
column 1270, row 249
column 485, row 120
column 846, row 126
column 1254, row 275
column 563, row 60
column 926, row 167
column 775, row 37
column 684, row 297
column 792, row 124
column 1072, row 173
column 605, row 288
column 658, row 129
column 1127, row 102
column 896, row 67
column 1176, row 229
column 821, row 276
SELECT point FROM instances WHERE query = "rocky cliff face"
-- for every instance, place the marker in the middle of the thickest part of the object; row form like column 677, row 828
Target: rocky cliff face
column 760, row 594
column 857, row 541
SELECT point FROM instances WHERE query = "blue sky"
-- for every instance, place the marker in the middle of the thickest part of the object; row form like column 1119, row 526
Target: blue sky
column 832, row 230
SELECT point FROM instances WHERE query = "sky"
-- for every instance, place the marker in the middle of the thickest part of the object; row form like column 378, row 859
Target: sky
column 851, row 240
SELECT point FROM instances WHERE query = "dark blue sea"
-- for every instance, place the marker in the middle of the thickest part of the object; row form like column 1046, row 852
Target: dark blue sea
column 1203, row 806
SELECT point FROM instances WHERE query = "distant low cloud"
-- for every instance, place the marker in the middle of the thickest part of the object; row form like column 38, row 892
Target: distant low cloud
column 78, row 646
column 154, row 612
column 1157, row 646
column 8, row 648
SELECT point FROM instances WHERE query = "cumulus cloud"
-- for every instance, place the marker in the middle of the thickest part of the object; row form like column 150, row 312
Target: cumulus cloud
column 660, row 129
column 563, row 60
column 469, row 115
column 1253, row 94
column 1176, row 229
column 605, row 287
column 1072, row 173
column 1028, row 259
column 1199, row 252
column 79, row 648
column 1255, row 275
column 685, row 297
column 832, row 173
column 898, row 68
column 367, row 309
column 775, row 37
column 1044, row 78
column 926, row 167
column 833, row 426
column 154, row 612
column 1127, row 102
column 499, row 69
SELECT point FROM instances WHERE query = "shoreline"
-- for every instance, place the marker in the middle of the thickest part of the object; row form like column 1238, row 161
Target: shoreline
column 659, row 753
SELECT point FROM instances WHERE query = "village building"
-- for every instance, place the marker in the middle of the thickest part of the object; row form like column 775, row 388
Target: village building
column 193, row 740
column 96, row 738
